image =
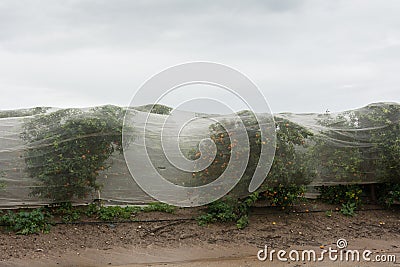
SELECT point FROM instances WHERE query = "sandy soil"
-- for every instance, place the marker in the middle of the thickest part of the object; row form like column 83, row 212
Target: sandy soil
column 180, row 242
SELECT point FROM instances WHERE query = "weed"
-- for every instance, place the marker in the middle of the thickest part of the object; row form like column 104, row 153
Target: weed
column 328, row 213
column 25, row 222
column 242, row 222
column 111, row 213
column 229, row 210
column 158, row 206
column 348, row 209
column 92, row 209
column 67, row 212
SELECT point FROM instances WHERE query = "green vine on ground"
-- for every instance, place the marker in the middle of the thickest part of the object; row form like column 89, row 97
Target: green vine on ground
column 40, row 220
column 229, row 210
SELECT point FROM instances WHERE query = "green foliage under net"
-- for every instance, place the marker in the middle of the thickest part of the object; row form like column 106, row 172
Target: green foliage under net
column 68, row 148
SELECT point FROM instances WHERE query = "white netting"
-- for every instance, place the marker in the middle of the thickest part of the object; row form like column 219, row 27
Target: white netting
column 358, row 146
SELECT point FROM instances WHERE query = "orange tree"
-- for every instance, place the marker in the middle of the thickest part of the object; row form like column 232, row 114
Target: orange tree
column 358, row 147
column 337, row 152
column 288, row 173
column 67, row 149
column 383, row 120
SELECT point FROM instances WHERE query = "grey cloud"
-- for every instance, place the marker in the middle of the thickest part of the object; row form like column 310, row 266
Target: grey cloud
column 57, row 25
column 305, row 55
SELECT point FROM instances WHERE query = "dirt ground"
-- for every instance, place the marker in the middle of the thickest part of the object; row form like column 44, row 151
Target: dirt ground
column 160, row 239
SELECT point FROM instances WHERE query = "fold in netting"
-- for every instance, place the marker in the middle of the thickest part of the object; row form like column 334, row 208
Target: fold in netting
column 341, row 148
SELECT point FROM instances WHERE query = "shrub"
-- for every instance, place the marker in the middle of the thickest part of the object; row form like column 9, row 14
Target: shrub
column 384, row 122
column 68, row 148
column 336, row 153
column 359, row 146
column 287, row 167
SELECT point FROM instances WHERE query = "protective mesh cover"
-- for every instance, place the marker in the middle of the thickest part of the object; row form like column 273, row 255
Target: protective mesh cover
column 357, row 146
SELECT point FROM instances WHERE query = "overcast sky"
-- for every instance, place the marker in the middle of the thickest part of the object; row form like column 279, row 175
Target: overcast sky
column 305, row 56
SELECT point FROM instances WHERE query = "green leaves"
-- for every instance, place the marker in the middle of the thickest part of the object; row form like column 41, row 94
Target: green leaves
column 348, row 209
column 349, row 196
column 158, row 206
column 388, row 193
column 229, row 210
column 359, row 146
column 111, row 213
column 287, row 168
column 27, row 222
column 341, row 194
column 40, row 220
column 284, row 195
column 385, row 120
column 67, row 212
column 68, row 148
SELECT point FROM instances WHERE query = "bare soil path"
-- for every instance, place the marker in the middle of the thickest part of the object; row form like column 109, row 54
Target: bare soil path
column 176, row 242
